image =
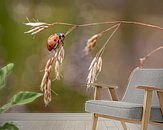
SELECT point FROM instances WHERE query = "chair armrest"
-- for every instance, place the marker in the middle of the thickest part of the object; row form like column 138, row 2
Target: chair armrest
column 103, row 85
column 147, row 88
column 111, row 91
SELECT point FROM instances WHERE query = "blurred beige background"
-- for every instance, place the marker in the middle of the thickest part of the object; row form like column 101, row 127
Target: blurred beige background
column 121, row 55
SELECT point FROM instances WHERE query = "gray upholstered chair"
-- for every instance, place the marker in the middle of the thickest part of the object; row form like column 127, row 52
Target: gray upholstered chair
column 142, row 103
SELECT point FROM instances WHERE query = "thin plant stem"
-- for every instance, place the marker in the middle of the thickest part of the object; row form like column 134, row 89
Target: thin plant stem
column 70, row 30
column 108, row 29
column 109, row 22
column 122, row 22
column 142, row 60
column 98, row 23
column 61, row 23
column 54, row 92
column 100, row 52
column 143, row 24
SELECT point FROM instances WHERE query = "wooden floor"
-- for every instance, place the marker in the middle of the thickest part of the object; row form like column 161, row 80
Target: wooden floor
column 57, row 121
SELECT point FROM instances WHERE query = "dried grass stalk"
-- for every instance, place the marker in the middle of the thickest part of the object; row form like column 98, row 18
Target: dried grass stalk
column 96, row 64
column 143, row 59
column 57, row 60
column 94, row 70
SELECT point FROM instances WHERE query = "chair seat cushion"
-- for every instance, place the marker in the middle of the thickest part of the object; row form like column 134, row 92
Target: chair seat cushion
column 131, row 111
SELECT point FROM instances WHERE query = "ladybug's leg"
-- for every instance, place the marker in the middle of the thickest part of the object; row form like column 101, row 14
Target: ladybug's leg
column 56, row 45
column 62, row 42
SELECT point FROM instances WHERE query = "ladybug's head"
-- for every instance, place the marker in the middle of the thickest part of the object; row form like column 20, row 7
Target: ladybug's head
column 61, row 36
column 53, row 42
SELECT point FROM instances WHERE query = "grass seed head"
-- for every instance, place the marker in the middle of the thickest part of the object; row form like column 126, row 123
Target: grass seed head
column 57, row 60
column 94, row 70
column 36, row 27
column 91, row 43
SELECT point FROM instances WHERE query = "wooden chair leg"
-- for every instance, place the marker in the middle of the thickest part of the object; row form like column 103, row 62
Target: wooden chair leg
column 160, row 98
column 124, row 125
column 94, row 123
column 146, row 110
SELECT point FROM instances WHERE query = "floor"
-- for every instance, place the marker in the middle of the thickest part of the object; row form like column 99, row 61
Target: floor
column 57, row 121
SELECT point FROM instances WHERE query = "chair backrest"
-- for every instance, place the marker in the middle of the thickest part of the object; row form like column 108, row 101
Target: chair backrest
column 143, row 77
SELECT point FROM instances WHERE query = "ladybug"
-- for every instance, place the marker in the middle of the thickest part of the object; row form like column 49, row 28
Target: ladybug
column 55, row 40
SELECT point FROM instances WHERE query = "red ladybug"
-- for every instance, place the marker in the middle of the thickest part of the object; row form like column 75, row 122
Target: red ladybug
column 54, row 41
